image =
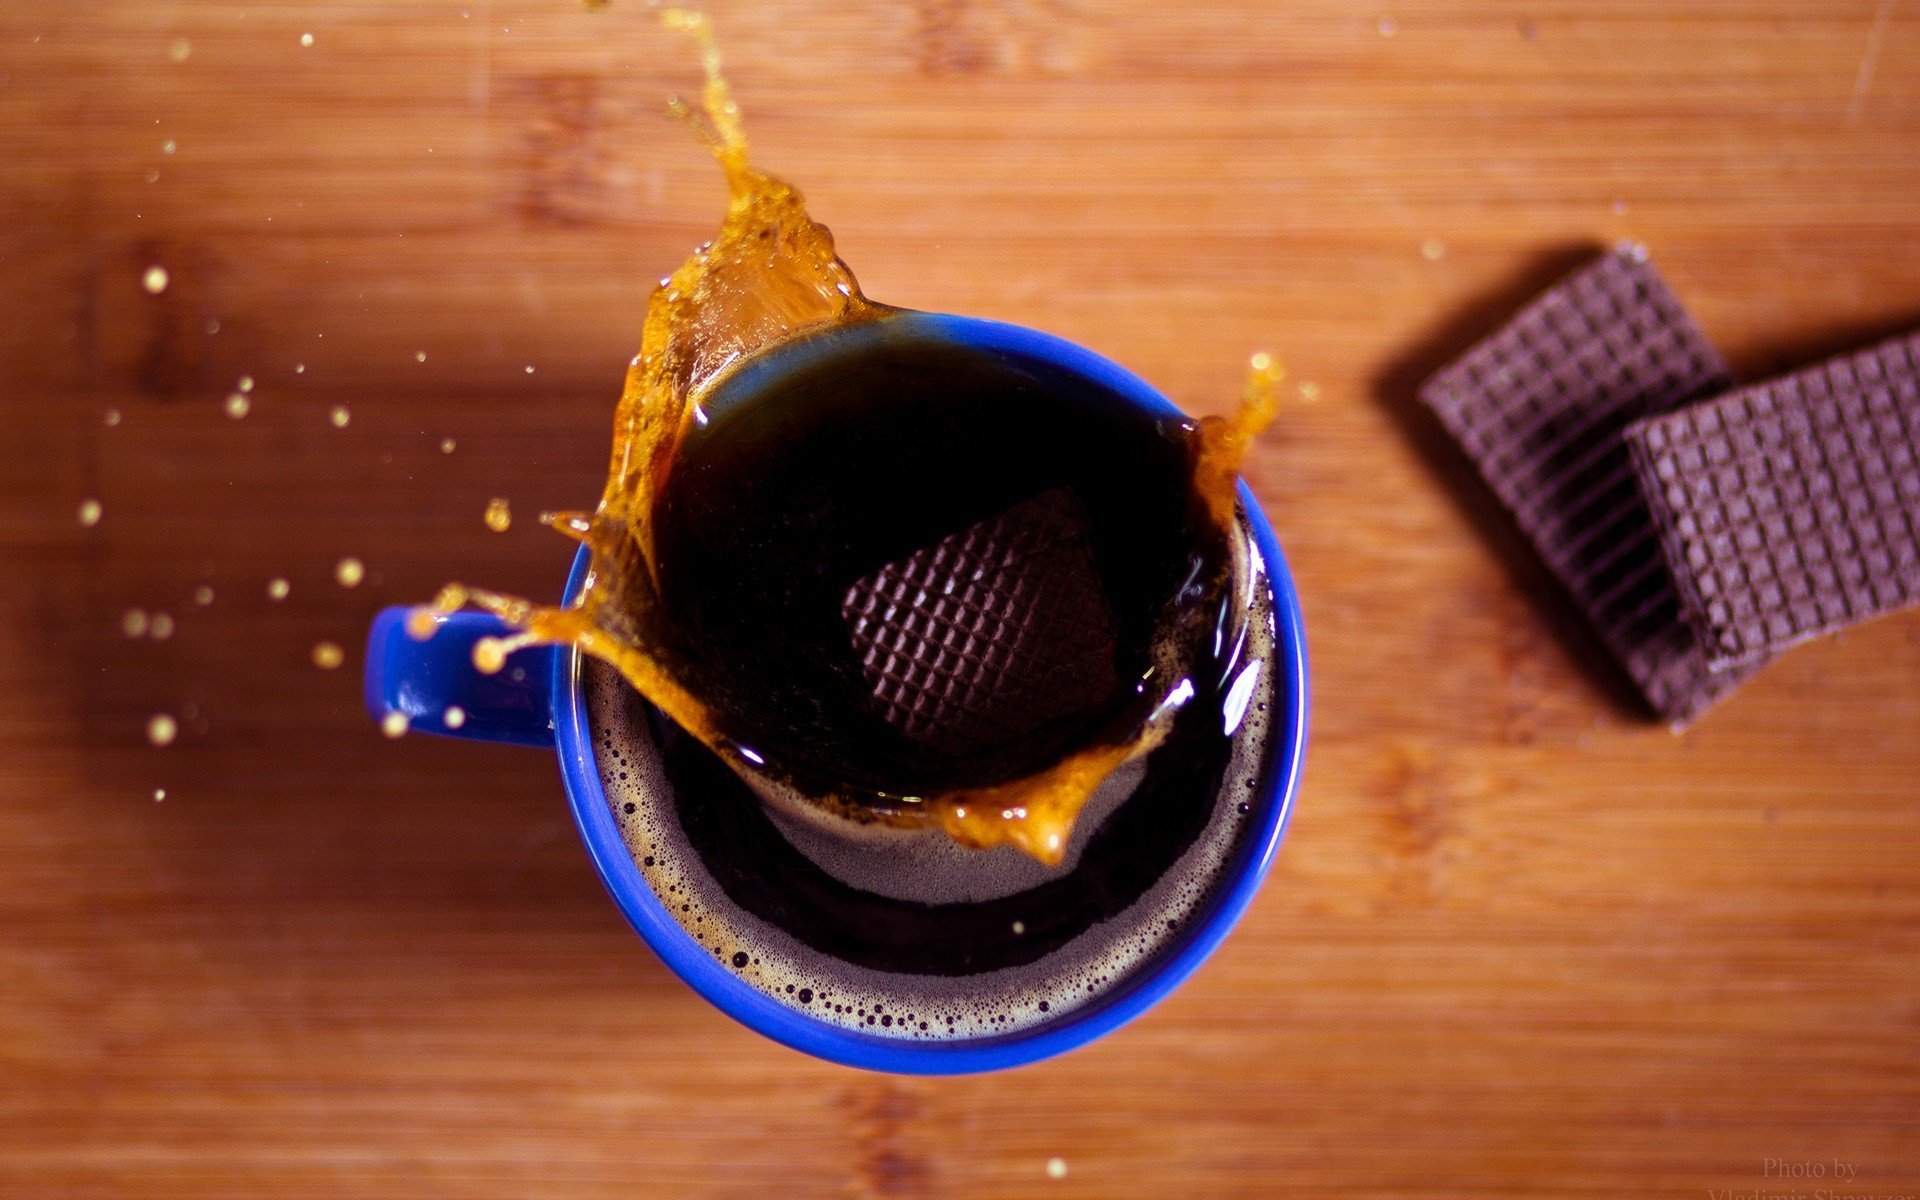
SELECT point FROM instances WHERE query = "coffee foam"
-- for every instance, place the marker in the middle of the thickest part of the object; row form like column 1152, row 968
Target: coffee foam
column 927, row 866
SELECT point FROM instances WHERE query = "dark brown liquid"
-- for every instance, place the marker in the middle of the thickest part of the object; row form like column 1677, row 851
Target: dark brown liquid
column 830, row 461
column 1001, row 615
column 743, row 655
column 840, row 459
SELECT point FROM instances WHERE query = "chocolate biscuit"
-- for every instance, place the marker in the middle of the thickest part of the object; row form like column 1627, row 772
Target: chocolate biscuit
column 988, row 634
column 1791, row 508
column 1540, row 405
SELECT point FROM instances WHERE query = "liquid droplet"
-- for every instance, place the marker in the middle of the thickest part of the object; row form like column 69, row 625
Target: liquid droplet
column 1309, row 391
column 299, row 368
column 420, row 356
column 277, row 588
column 169, row 146
column 394, row 724
column 160, row 627
column 238, row 405
column 447, row 445
column 1056, row 1168
column 246, row 383
column 203, row 595
column 162, row 729
column 306, row 39
column 159, row 794
column 1433, row 249
column 499, row 517
column 424, row 620
column 90, row 513
column 350, row 571
column 180, row 50
column 112, row 417
column 155, row 280
column 327, row 655
column 489, row 655
column 1387, row 26
column 455, row 716
column 133, row 623
column 340, row 416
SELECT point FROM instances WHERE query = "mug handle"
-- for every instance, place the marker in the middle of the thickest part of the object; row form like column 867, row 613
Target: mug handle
column 426, row 680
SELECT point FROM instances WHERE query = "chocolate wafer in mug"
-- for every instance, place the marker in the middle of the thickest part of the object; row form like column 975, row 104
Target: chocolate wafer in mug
column 1539, row 407
column 988, row 633
column 1791, row 508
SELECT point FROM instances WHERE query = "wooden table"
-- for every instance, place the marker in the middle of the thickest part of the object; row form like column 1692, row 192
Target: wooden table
column 1521, row 940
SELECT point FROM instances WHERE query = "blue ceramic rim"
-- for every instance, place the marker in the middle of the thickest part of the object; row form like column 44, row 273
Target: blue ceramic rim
column 688, row 959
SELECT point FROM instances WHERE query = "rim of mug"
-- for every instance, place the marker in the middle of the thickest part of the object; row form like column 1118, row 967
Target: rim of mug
column 687, row 958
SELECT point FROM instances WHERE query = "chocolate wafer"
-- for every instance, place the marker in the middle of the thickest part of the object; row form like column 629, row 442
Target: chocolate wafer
column 1539, row 407
column 1791, row 508
column 990, row 633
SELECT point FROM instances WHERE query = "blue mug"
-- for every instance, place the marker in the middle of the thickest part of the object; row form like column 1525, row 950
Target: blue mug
column 537, row 700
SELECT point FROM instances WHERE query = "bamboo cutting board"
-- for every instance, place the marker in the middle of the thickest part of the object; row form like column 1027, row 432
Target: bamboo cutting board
column 1520, row 940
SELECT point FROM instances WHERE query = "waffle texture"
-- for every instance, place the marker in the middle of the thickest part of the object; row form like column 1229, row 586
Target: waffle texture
column 1540, row 407
column 991, row 633
column 1791, row 508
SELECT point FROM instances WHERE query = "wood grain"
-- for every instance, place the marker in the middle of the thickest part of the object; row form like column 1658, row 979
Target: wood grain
column 1520, row 941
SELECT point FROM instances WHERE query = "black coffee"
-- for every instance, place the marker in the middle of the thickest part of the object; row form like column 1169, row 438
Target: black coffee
column 920, row 567
column 870, row 476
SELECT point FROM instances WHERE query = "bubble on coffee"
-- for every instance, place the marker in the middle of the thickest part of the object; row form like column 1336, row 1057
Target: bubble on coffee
column 906, row 934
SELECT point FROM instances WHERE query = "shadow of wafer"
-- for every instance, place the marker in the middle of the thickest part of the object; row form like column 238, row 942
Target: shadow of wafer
column 1816, row 346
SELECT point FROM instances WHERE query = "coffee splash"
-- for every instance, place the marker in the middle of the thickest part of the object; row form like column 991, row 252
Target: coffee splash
column 769, row 276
